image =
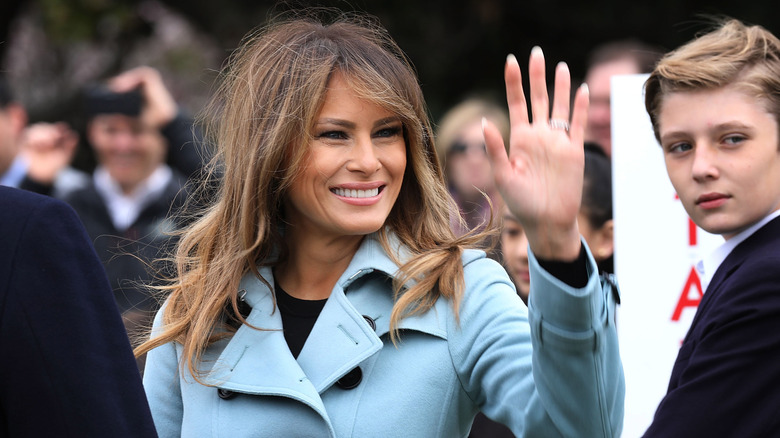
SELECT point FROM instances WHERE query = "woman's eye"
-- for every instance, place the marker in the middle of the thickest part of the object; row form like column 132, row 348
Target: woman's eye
column 388, row 132
column 332, row 135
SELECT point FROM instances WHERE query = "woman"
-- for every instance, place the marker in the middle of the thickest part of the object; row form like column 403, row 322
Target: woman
column 461, row 146
column 324, row 294
column 715, row 108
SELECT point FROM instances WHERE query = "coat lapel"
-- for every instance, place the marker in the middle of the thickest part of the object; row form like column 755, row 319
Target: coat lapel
column 761, row 240
column 259, row 361
column 339, row 341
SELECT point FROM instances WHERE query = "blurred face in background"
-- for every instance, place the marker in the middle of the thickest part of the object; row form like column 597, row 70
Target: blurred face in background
column 13, row 118
column 514, row 248
column 599, row 128
column 468, row 164
column 599, row 239
column 129, row 150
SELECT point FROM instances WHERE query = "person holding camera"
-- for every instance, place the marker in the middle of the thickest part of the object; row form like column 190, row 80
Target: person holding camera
column 133, row 123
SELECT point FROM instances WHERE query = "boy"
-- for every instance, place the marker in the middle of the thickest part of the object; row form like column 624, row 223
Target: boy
column 715, row 104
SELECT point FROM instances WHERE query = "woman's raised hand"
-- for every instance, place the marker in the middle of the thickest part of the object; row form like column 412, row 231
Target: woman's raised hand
column 541, row 177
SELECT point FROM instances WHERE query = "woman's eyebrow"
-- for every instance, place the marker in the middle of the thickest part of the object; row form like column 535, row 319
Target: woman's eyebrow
column 337, row 122
column 387, row 121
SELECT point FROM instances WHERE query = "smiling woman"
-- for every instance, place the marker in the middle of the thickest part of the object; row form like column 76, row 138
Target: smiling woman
column 354, row 166
column 353, row 171
column 324, row 292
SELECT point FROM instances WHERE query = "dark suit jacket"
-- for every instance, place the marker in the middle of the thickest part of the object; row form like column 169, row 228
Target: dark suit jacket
column 66, row 368
column 726, row 380
column 128, row 255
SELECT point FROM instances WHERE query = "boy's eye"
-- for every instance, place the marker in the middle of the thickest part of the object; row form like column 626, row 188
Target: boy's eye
column 680, row 147
column 734, row 139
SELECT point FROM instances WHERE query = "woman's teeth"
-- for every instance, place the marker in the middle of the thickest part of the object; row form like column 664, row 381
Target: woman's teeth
column 356, row 193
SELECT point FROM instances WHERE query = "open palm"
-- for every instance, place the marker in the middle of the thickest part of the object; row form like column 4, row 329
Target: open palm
column 541, row 177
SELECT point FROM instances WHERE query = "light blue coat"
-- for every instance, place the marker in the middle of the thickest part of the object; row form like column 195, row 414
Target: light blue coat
column 431, row 385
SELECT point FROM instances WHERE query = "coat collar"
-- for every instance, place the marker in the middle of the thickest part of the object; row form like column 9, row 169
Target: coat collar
column 258, row 361
column 760, row 241
column 368, row 282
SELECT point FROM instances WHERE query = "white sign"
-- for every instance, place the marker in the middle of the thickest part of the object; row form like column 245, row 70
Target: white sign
column 656, row 249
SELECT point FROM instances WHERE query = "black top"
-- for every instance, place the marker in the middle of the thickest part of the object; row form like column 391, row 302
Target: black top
column 574, row 274
column 298, row 318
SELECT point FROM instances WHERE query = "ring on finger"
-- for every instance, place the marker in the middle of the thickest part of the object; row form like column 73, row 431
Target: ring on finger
column 559, row 124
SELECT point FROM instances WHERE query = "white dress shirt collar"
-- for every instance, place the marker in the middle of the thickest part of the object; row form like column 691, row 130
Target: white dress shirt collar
column 15, row 174
column 123, row 208
column 708, row 265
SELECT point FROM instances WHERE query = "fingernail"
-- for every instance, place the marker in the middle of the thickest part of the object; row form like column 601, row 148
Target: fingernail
column 484, row 123
column 563, row 65
column 585, row 88
column 536, row 50
column 511, row 59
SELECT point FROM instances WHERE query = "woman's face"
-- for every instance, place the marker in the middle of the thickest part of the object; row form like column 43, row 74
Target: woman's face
column 353, row 171
column 514, row 248
column 721, row 152
column 468, row 164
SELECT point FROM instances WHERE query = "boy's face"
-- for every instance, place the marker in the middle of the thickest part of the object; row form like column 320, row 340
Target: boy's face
column 721, row 152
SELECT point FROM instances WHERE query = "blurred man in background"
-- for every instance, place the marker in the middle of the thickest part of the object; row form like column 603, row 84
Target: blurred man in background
column 129, row 205
column 35, row 158
column 614, row 58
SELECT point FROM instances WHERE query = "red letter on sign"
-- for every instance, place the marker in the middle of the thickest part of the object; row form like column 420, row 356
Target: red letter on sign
column 691, row 229
column 685, row 298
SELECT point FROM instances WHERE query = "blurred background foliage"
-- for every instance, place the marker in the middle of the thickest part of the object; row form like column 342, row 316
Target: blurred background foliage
column 51, row 48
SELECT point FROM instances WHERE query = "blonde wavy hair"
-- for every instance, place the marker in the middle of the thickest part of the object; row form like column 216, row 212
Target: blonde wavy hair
column 270, row 94
column 733, row 53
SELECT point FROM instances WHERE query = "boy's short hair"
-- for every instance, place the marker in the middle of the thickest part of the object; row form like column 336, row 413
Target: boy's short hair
column 731, row 54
